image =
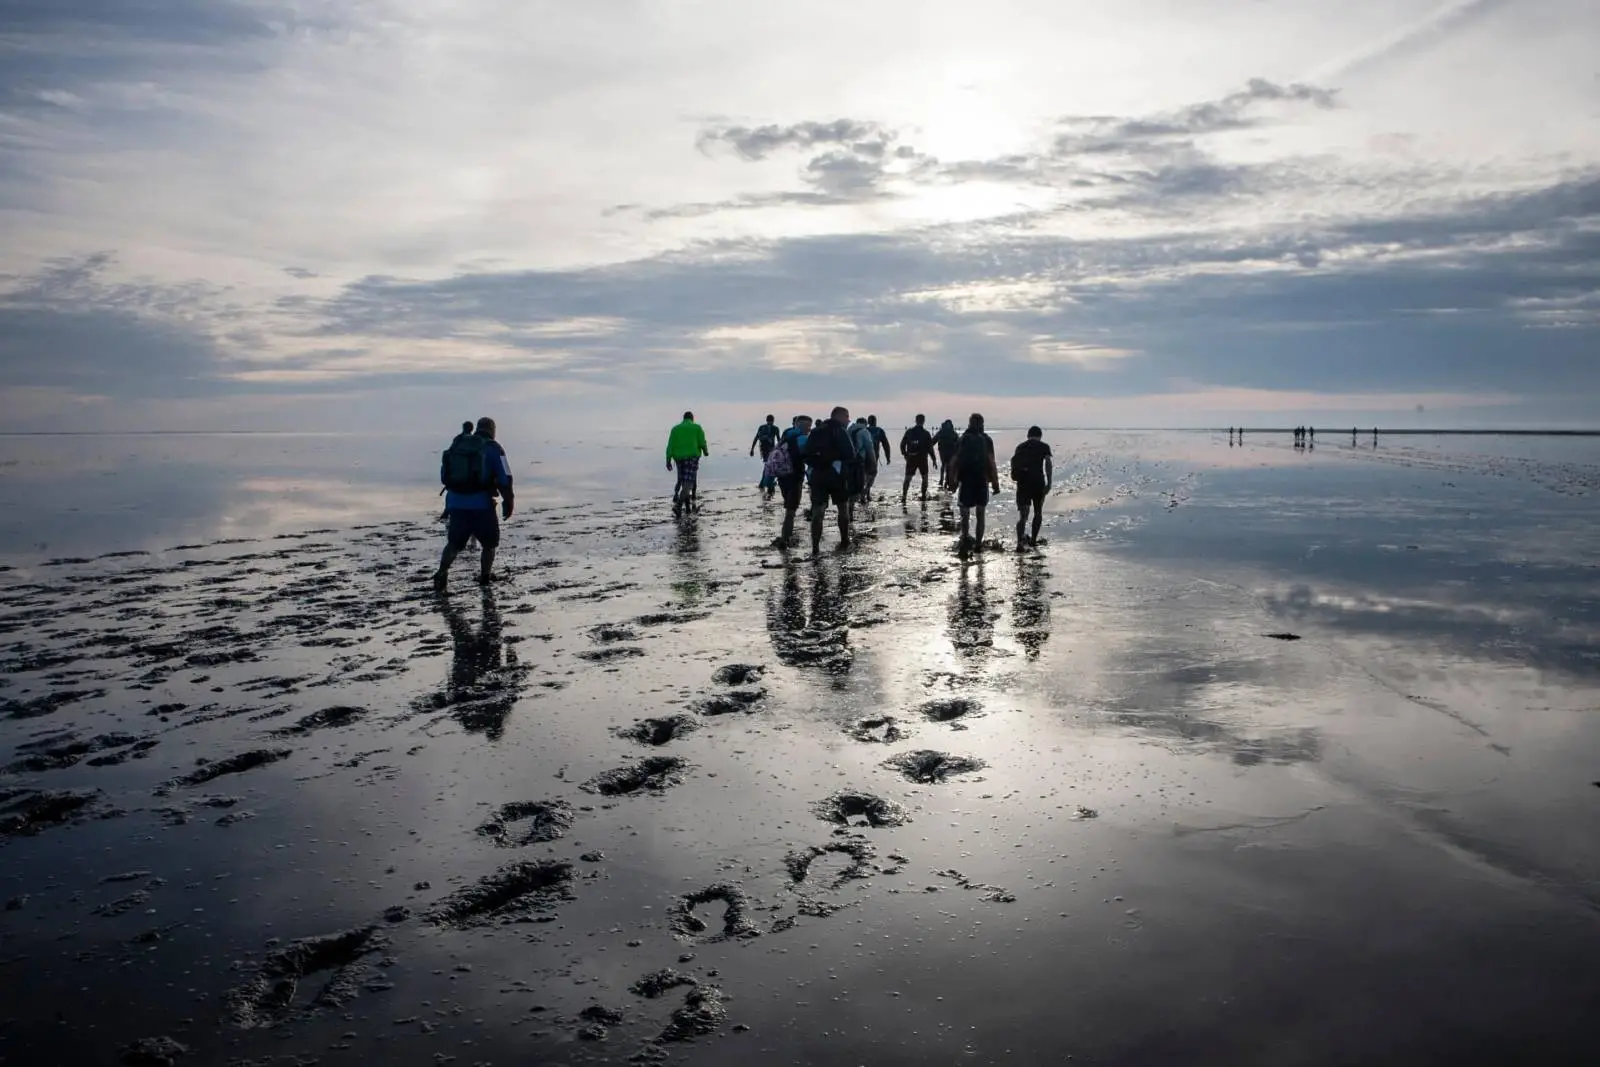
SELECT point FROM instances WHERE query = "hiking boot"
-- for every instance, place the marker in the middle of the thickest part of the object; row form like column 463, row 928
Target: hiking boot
column 484, row 578
column 441, row 578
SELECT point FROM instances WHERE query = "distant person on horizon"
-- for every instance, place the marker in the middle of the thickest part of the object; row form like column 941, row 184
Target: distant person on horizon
column 474, row 470
column 1033, row 470
column 685, row 445
column 947, row 439
column 828, row 453
column 766, row 439
column 976, row 475
column 916, row 449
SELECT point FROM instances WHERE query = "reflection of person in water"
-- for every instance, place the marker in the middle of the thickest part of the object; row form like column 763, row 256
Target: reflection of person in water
column 690, row 580
column 814, row 630
column 1030, row 607
column 971, row 626
column 485, row 677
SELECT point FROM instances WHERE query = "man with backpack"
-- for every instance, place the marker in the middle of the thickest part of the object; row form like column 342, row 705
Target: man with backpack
column 685, row 445
column 474, row 471
column 829, row 453
column 946, row 440
column 916, row 448
column 1032, row 470
column 786, row 467
column 766, row 438
column 975, row 476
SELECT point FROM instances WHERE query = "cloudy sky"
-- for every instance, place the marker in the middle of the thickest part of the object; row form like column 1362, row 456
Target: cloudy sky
column 308, row 213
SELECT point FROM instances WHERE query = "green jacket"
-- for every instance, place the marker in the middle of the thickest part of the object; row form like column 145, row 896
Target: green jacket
column 687, row 441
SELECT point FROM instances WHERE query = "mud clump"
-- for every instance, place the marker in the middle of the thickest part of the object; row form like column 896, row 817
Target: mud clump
column 153, row 1052
column 123, row 905
column 515, row 893
column 244, row 761
column 599, row 1019
column 610, row 635
column 701, row 1013
column 849, row 808
column 320, row 720
column 883, row 731
column 27, row 813
column 949, row 710
column 659, row 731
column 610, row 653
column 658, row 983
column 672, row 618
column 798, row 863
column 734, row 700
column 651, row 774
column 546, row 820
column 272, row 996
column 925, row 766
column 736, row 921
column 737, row 674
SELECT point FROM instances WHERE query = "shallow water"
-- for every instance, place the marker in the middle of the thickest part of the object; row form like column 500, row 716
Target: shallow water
column 1181, row 838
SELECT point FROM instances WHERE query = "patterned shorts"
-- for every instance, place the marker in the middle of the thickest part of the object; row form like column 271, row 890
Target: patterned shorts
column 688, row 469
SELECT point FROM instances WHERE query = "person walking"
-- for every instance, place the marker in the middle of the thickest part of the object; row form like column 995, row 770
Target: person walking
column 946, row 440
column 766, row 439
column 791, row 447
column 880, row 440
column 474, row 470
column 975, row 476
column 828, row 453
column 866, row 468
column 916, row 449
column 686, row 443
column 1033, row 470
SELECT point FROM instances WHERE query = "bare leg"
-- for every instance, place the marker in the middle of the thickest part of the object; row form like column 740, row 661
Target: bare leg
column 980, row 525
column 1038, row 519
column 1022, row 520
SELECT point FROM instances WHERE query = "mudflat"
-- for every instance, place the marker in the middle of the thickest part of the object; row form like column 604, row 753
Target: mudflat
column 1265, row 756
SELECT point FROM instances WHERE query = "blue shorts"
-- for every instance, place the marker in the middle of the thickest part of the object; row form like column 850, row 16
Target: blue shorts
column 465, row 524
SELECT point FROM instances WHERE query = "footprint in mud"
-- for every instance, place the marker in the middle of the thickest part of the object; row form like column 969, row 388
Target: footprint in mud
column 518, row 892
column 883, row 731
column 25, row 812
column 610, row 653
column 927, row 766
column 606, row 634
column 734, row 700
column 273, row 995
column 238, row 764
column 546, row 820
column 850, row 808
column 598, row 1020
column 701, row 1013
column 323, row 719
column 652, row 774
column 659, row 731
column 857, row 850
column 736, row 921
column 949, row 710
column 737, row 674
column 659, row 983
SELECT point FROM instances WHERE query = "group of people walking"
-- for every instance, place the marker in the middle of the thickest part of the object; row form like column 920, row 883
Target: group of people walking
column 838, row 461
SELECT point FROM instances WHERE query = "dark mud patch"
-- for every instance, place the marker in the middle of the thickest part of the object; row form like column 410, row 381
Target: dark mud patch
column 137, row 750
column 518, row 892
column 49, row 703
column 651, row 774
column 610, row 635
column 61, row 752
column 122, row 905
column 990, row 892
column 244, row 761
column 701, row 1013
column 528, row 823
column 850, row 808
column 659, row 731
column 1284, row 636
column 736, row 919
column 926, row 766
column 611, row 653
column 949, row 710
column 732, row 701
column 152, row 1052
column 274, row 996
column 883, row 731
column 25, row 812
column 321, row 720
column 737, row 674
column 859, row 851
column 598, row 1020
column 659, row 983
column 671, row 618
column 824, row 647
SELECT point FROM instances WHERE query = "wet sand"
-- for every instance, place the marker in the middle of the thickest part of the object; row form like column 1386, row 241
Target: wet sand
column 1265, row 757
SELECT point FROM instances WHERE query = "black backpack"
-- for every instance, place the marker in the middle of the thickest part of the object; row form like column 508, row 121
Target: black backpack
column 464, row 466
column 972, row 455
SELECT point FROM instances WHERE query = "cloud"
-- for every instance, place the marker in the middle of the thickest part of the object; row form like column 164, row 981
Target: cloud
column 865, row 138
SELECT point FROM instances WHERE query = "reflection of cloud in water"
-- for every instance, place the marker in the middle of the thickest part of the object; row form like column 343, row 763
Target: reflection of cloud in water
column 1556, row 626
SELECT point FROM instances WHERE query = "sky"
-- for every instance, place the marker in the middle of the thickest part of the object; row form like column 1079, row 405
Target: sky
column 386, row 214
